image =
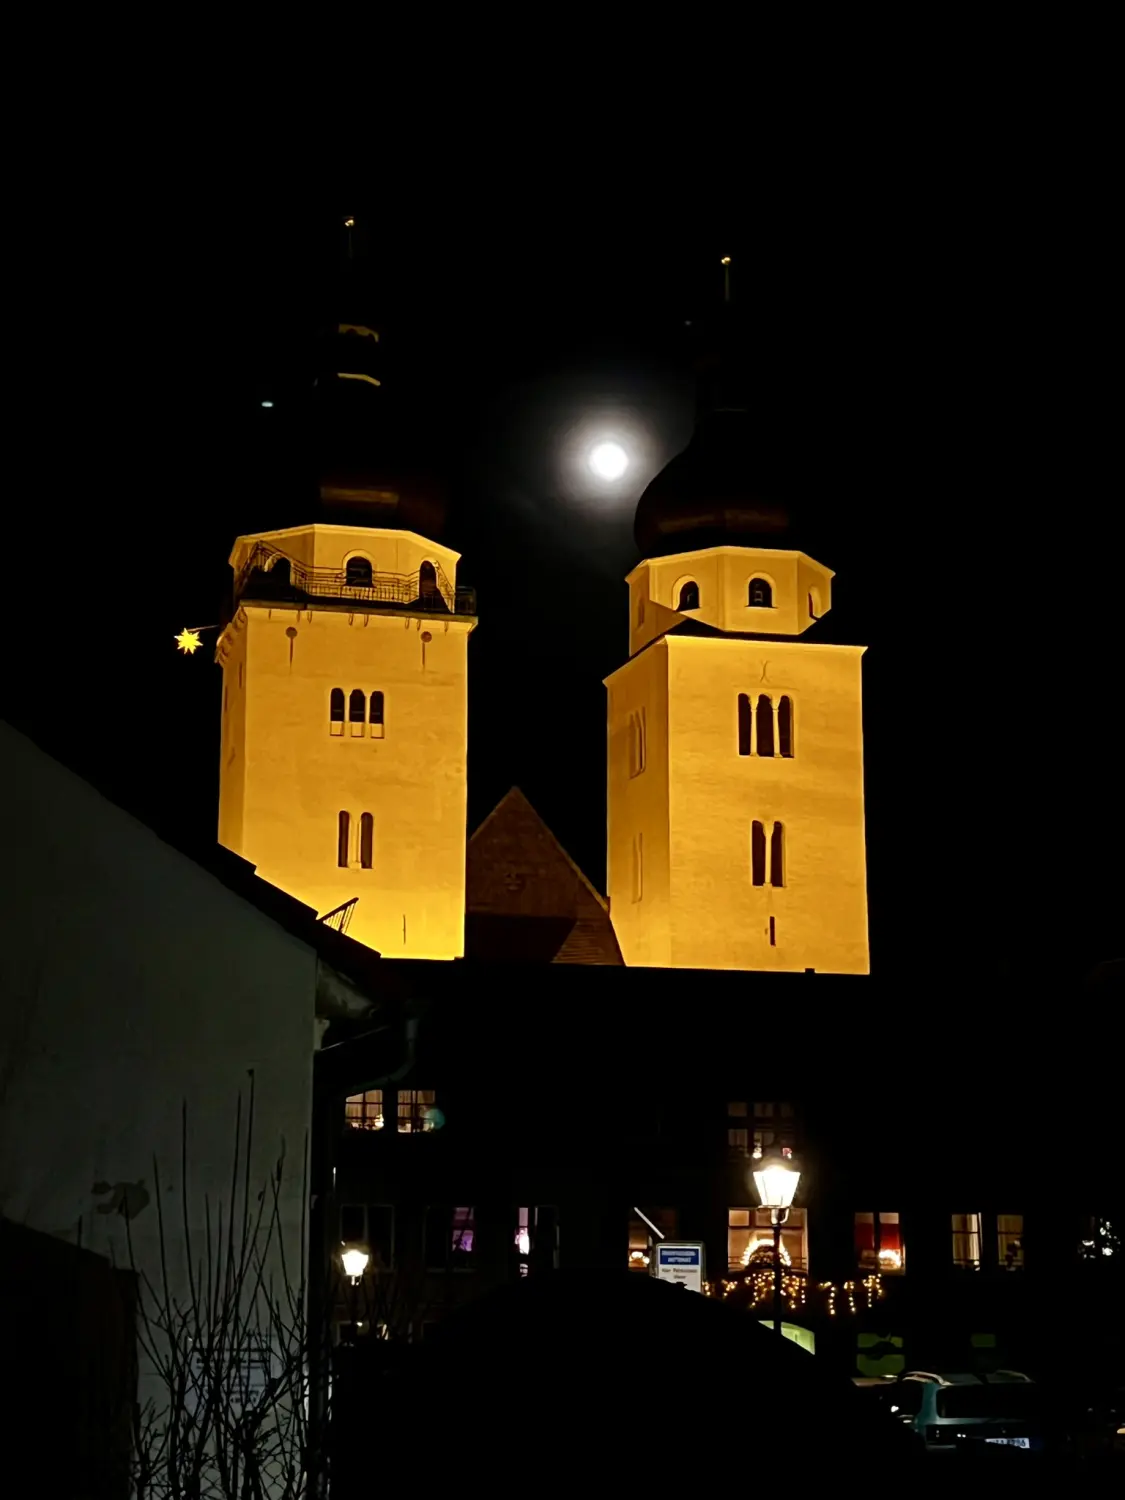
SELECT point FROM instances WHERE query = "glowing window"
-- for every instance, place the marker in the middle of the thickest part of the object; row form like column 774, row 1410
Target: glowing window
column 878, row 1243
column 785, row 727
column 966, row 1241
column 366, row 840
column 415, row 1111
column 1009, row 1242
column 760, row 595
column 750, row 1239
column 642, row 1239
column 364, row 1111
column 745, row 725
column 358, row 573
column 764, row 717
column 343, row 839
column 757, row 853
column 777, row 855
column 689, row 597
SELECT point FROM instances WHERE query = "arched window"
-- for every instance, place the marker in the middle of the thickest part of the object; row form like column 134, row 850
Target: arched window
column 427, row 581
column 745, row 724
column 366, row 839
column 757, row 853
column 377, row 716
column 358, row 573
column 785, row 727
column 280, row 574
column 689, row 596
column 777, row 855
column 760, row 594
column 336, row 711
column 357, row 710
column 765, row 725
column 343, row 839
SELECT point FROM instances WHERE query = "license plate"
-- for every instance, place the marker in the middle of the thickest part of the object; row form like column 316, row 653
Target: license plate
column 1011, row 1442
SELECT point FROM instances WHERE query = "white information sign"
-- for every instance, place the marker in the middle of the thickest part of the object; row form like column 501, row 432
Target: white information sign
column 681, row 1262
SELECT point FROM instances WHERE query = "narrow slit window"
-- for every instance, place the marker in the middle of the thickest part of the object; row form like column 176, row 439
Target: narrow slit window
column 366, row 840
column 785, row 727
column 757, row 853
column 689, row 597
column 765, row 725
column 357, row 710
column 773, row 932
column 745, row 724
column 336, row 711
column 343, row 839
column 377, row 716
column 761, row 594
column 777, row 855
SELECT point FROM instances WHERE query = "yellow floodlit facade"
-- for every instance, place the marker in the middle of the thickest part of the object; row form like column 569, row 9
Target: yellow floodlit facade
column 735, row 770
column 344, row 729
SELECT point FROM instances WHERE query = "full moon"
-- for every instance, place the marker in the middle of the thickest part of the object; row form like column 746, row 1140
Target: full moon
column 609, row 460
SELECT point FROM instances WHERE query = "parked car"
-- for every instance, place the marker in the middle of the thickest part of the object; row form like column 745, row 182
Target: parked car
column 952, row 1412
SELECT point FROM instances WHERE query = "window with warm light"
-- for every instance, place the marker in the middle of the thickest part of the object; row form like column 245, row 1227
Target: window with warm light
column 966, row 1241
column 415, row 1111
column 1009, row 1242
column 878, row 1243
column 364, row 1111
column 750, row 1239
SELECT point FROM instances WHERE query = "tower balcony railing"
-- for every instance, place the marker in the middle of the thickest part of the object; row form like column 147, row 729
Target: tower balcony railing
column 269, row 574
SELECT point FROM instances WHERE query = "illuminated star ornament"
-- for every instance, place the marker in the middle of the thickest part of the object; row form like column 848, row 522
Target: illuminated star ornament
column 188, row 639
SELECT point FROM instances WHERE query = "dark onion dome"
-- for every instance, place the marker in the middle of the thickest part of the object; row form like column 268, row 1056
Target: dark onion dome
column 348, row 453
column 718, row 491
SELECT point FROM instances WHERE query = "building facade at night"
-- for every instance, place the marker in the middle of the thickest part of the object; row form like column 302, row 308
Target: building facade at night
column 345, row 672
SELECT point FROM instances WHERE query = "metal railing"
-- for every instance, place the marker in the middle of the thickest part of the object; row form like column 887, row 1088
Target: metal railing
column 269, row 573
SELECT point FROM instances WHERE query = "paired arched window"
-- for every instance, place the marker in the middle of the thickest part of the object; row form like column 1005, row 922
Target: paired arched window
column 745, row 725
column 343, row 839
column 773, row 722
column 356, row 703
column 758, row 851
column 760, row 594
column 366, row 839
column 357, row 573
column 689, row 596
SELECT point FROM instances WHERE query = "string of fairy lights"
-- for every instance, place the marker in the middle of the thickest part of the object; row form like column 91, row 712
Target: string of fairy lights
column 799, row 1294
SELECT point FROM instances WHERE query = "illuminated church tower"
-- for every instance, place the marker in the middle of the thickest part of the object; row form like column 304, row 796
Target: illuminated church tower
column 344, row 718
column 735, row 736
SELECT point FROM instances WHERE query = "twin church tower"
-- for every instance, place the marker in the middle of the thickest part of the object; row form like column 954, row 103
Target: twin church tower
column 735, row 744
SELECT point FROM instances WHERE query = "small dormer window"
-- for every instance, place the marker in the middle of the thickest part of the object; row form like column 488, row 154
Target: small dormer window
column 689, row 597
column 760, row 595
column 358, row 573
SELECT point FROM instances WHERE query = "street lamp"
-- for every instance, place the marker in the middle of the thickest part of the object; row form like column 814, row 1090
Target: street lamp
column 354, row 1260
column 775, row 1179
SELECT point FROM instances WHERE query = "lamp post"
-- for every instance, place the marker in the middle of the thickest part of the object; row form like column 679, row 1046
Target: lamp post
column 775, row 1179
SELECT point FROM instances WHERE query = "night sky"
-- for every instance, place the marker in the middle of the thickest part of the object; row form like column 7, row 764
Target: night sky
column 944, row 380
